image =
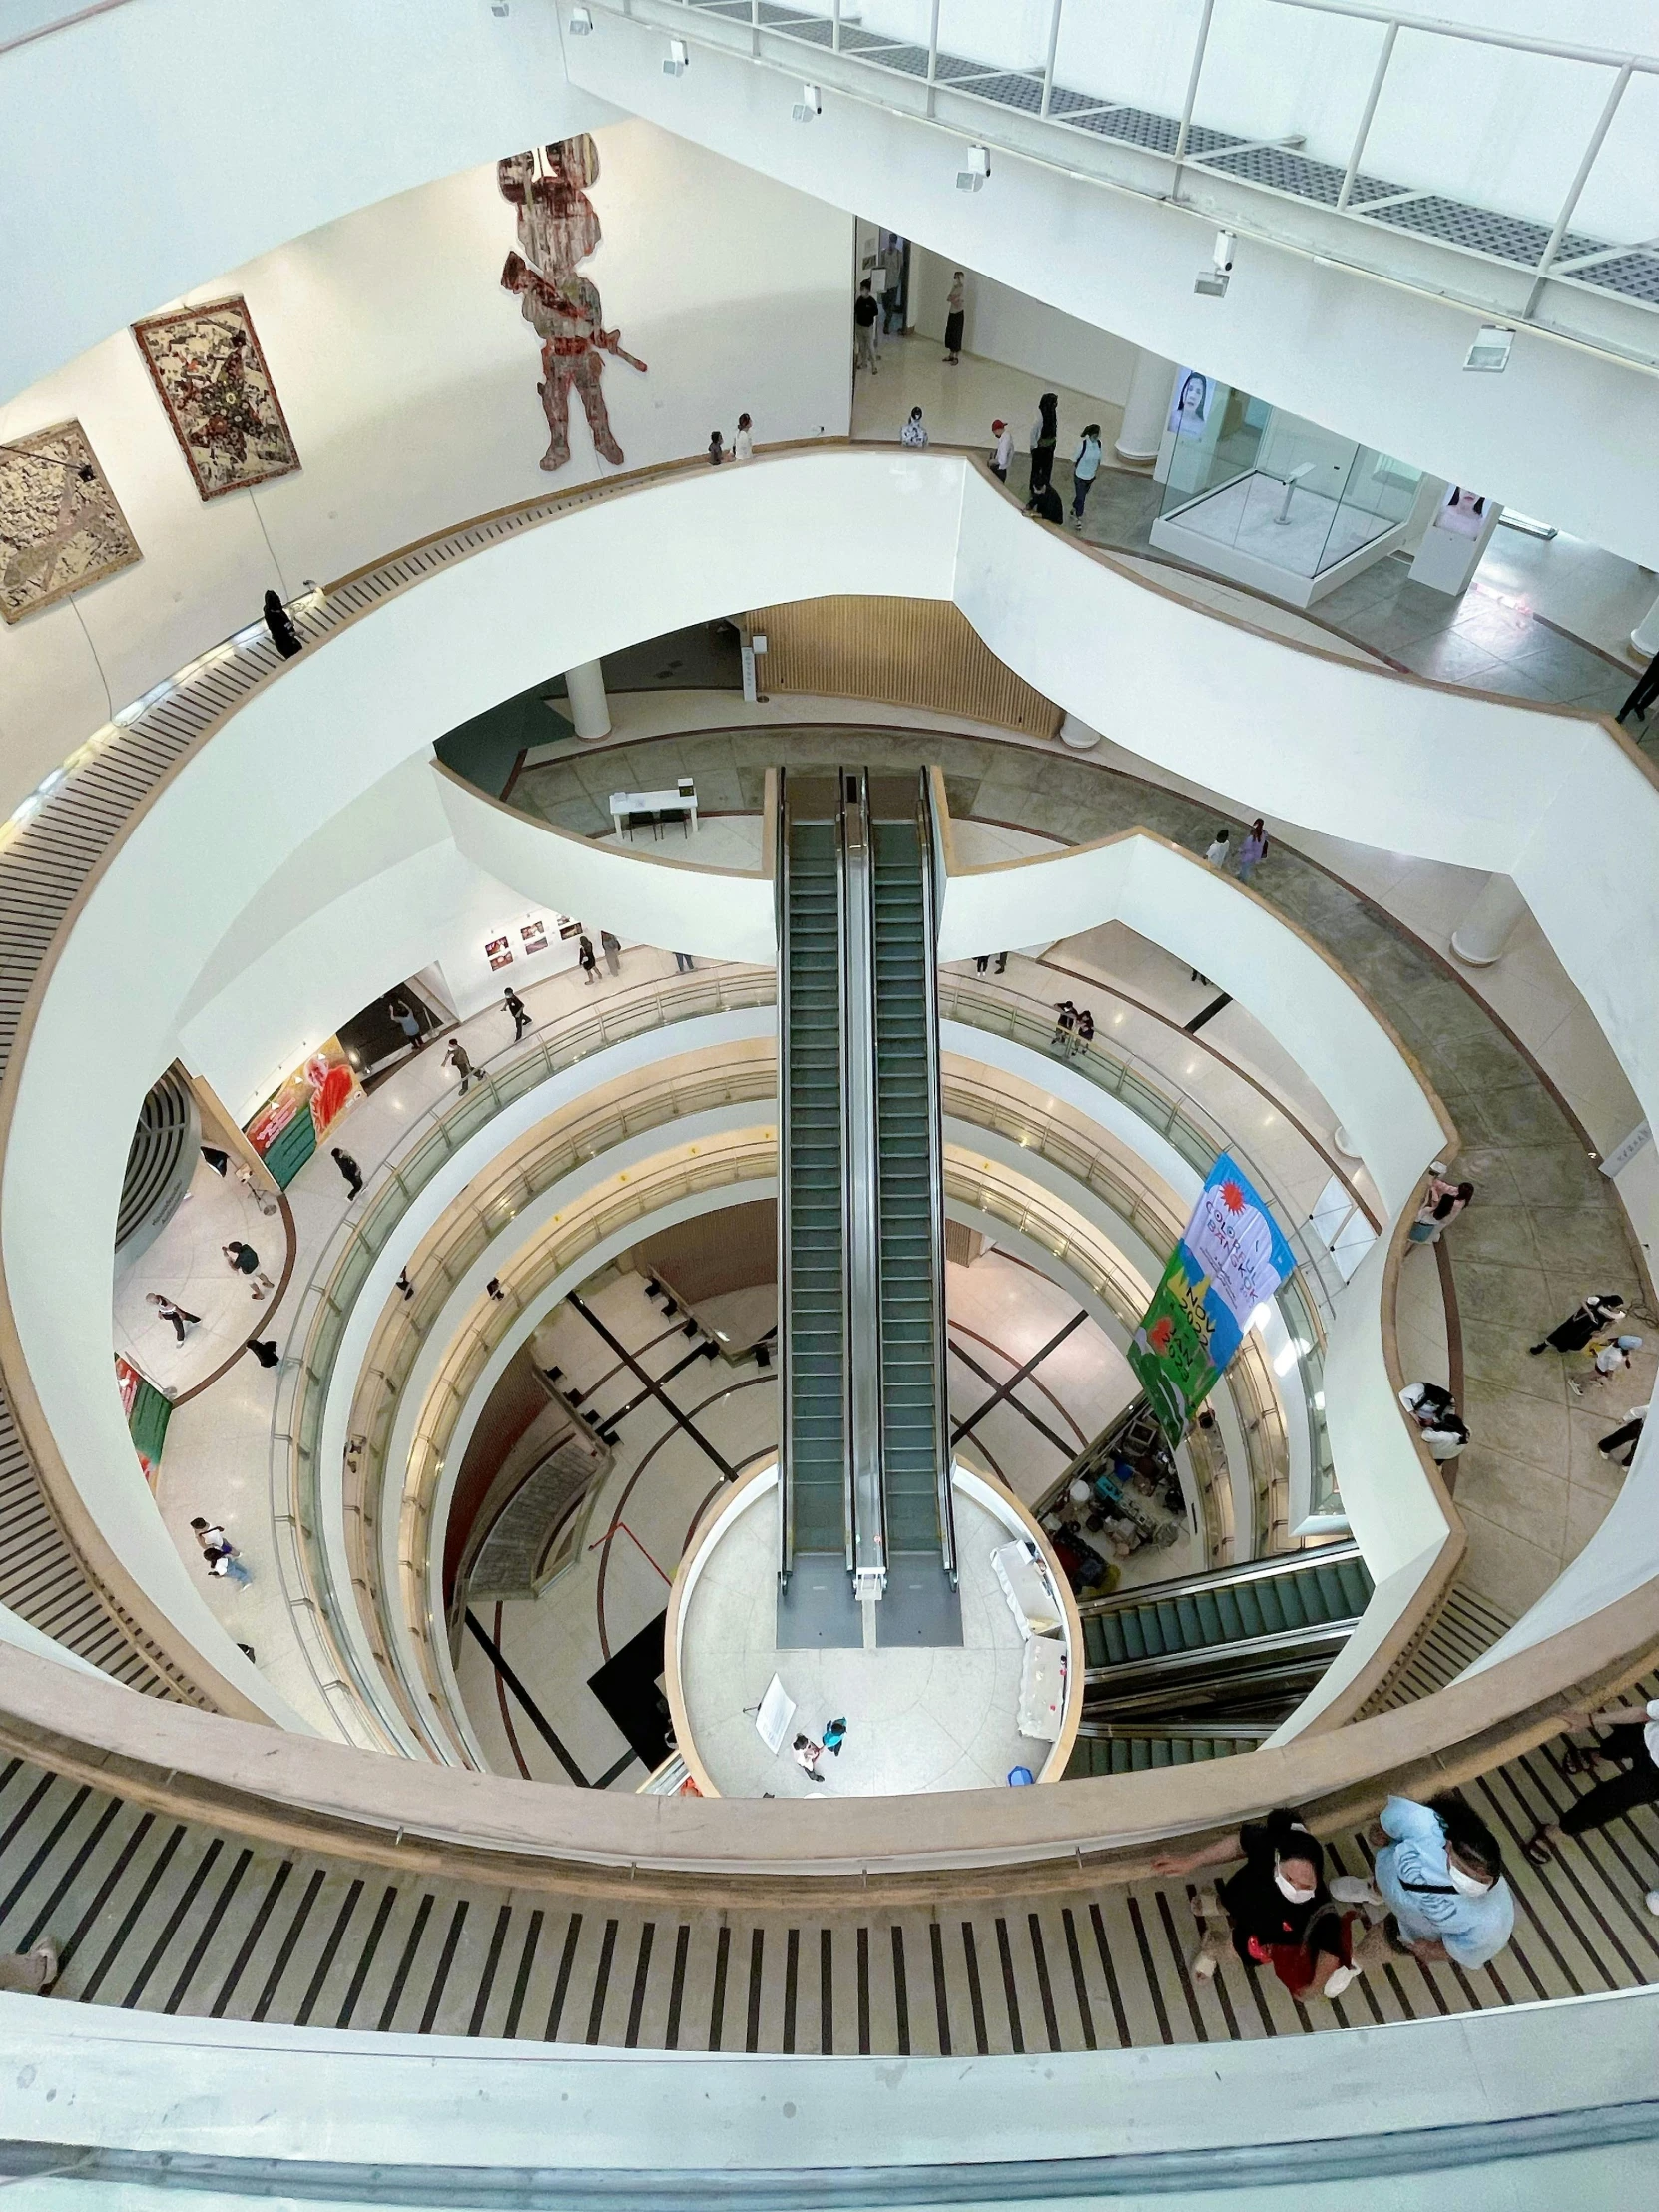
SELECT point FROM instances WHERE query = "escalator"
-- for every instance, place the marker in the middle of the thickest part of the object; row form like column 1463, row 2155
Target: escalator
column 1210, row 1664
column 867, row 1511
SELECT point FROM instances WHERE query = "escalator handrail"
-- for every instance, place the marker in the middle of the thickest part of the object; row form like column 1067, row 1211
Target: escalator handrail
column 1278, row 1567
column 1313, row 1637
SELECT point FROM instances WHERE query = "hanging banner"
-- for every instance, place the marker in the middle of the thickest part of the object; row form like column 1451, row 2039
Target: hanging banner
column 291, row 1123
column 148, row 1412
column 1231, row 1259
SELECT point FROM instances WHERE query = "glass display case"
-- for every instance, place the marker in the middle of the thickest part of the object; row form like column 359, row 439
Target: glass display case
column 1268, row 499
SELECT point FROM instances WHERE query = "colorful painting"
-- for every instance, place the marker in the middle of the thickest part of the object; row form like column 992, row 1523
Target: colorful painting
column 294, row 1121
column 148, row 1413
column 558, row 227
column 534, row 937
column 1231, row 1259
column 60, row 525
column 499, row 952
column 211, row 378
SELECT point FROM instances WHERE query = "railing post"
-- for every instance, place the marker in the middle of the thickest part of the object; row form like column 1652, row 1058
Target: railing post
column 932, row 55
column 1185, row 132
column 1054, row 48
column 1367, row 115
column 1547, row 257
column 835, row 29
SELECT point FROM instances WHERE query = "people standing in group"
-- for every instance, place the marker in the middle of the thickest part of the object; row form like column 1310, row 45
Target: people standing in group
column 1253, row 852
column 456, row 1057
column 743, row 445
column 1045, row 436
column 612, row 949
column 265, row 1351
column 807, row 1756
column 865, row 312
column 1221, row 850
column 915, row 432
column 956, row 315
column 1609, row 1359
column 1626, row 1438
column 1003, row 453
column 717, row 449
column 181, row 1317
column 1276, row 1910
column 1045, row 505
column 585, row 958
column 1084, row 1035
column 1601, row 1309
column 1634, row 1748
column 1085, row 467
column 835, row 1735
column 349, row 1169
column 516, row 1007
column 1065, row 1025
column 1435, row 1413
column 1442, row 1203
column 224, row 1561
column 284, row 636
column 1439, row 1871
column 683, row 964
column 246, row 1261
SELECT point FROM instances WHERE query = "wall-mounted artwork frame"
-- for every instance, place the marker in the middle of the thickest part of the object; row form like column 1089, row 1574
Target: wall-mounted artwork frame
column 211, row 375
column 61, row 526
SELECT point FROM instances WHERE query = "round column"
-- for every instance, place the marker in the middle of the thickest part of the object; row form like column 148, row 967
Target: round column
column 1345, row 1143
column 1645, row 636
column 1479, row 938
column 588, row 707
column 1145, row 409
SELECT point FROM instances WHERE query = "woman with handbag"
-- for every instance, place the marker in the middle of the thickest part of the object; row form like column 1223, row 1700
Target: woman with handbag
column 1276, row 1910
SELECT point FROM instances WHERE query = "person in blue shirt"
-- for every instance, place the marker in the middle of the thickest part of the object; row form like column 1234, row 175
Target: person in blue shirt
column 1439, row 1871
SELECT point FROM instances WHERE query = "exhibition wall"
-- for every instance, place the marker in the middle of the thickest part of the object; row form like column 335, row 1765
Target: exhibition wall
column 1006, row 326
column 408, row 377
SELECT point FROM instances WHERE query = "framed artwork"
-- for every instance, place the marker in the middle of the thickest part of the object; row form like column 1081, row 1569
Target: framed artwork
column 215, row 389
column 499, row 954
column 60, row 524
column 534, row 937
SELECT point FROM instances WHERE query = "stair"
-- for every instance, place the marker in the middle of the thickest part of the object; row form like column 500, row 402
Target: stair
column 1267, row 1598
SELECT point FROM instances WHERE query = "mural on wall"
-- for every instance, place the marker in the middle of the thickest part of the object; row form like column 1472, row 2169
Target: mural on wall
column 60, row 524
column 215, row 389
column 558, row 227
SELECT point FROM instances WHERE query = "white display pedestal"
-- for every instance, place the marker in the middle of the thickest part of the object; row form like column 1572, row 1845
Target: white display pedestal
column 1446, row 559
column 1234, row 532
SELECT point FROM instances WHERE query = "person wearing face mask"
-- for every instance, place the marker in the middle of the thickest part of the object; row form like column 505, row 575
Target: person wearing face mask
column 1439, row 1871
column 1276, row 1909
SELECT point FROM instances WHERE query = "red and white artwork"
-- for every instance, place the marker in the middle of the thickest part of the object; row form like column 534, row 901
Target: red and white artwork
column 210, row 377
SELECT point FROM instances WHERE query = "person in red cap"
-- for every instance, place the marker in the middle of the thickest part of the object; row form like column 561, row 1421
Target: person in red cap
column 1004, row 450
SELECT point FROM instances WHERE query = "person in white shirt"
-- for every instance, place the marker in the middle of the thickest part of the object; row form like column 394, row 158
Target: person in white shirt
column 1608, row 1359
column 1635, row 1747
column 1004, row 453
column 915, row 432
column 743, row 445
column 1085, row 469
column 1625, row 1438
column 1220, row 852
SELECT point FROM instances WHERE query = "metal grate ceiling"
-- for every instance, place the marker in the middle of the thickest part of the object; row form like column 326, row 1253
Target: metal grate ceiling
column 1505, row 238
column 1634, row 275
column 1282, row 170
column 1158, row 133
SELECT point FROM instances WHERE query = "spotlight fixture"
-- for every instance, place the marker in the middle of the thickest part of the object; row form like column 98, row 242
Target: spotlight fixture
column 810, row 104
column 1491, row 348
column 500, row 7
column 1213, row 282
column 973, row 178
column 679, row 58
column 580, row 24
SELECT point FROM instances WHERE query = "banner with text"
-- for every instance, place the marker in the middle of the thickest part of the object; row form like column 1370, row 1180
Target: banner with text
column 1231, row 1259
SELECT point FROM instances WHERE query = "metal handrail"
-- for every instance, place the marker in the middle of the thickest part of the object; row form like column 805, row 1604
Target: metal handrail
column 1196, row 1585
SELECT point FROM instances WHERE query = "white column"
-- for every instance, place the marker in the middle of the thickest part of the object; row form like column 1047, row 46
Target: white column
column 588, row 710
column 1345, row 1143
column 1479, row 938
column 1645, row 636
column 1146, row 409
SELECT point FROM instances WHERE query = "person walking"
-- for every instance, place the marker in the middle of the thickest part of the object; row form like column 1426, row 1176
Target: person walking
column 1003, row 453
column 1277, row 1909
column 246, row 1261
column 220, row 1553
column 956, row 315
column 1634, row 1748
column 865, row 315
column 743, row 445
column 1609, row 1359
column 915, row 432
column 181, row 1317
column 1601, row 1309
column 265, row 1351
column 612, row 949
column 349, row 1169
column 1625, row 1438
column 29, row 1974
column 1253, row 852
column 1440, row 1873
column 284, row 636
column 1441, row 1205
column 835, row 1735
column 405, row 1285
column 585, row 958
column 1045, row 436
column 408, row 1022
column 807, row 1756
column 717, row 449
column 456, row 1057
column 1085, row 467
column 1221, row 850
column 515, row 1006
column 1002, row 964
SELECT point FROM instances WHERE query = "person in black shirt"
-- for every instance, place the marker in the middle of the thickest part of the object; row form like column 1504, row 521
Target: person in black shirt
column 1276, row 1909
column 865, row 315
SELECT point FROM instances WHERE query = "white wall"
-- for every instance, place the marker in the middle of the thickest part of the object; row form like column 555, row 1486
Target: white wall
column 1002, row 324
column 408, row 378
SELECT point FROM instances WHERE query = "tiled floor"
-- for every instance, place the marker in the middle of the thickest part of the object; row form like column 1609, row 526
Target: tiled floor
column 186, row 1263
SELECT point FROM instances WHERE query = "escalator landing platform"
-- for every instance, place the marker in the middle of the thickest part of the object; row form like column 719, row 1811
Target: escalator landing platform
column 816, row 1611
column 921, row 1606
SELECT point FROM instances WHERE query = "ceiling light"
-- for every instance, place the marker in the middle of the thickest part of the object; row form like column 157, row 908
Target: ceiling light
column 810, row 104
column 973, row 178
column 580, row 24
column 678, row 59
column 1490, row 350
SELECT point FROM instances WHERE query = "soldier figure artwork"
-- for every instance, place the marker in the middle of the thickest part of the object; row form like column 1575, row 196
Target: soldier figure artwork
column 558, row 227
